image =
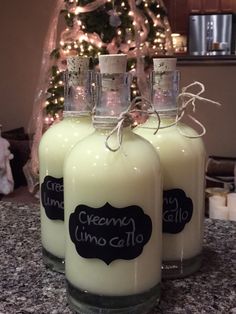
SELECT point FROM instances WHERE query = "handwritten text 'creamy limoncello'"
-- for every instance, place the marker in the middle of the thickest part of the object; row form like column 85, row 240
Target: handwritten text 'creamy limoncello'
column 183, row 162
column 113, row 203
column 54, row 145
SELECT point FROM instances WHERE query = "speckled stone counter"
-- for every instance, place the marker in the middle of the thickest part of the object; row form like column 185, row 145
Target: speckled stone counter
column 27, row 287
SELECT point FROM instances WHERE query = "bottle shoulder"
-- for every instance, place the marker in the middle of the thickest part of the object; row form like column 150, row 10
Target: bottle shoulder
column 64, row 133
column 133, row 147
column 173, row 134
column 173, row 140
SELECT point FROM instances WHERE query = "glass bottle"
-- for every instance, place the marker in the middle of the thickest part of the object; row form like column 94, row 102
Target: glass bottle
column 54, row 145
column 183, row 164
column 113, row 200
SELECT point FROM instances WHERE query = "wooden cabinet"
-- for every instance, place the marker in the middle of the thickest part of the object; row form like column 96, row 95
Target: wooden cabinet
column 228, row 6
column 211, row 6
column 177, row 15
column 195, row 7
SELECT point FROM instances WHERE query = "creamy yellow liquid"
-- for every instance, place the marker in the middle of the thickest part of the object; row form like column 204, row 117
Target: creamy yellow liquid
column 54, row 145
column 93, row 175
column 183, row 165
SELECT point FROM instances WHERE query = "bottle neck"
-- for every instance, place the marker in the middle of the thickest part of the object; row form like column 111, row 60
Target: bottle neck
column 76, row 114
column 79, row 93
column 164, row 91
column 112, row 99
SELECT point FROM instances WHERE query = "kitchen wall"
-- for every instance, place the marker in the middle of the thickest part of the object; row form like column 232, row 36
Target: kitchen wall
column 23, row 28
column 220, row 122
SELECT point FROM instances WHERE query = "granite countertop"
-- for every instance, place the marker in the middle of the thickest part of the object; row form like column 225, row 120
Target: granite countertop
column 28, row 287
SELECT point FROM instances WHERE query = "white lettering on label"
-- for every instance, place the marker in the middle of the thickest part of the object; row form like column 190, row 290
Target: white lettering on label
column 52, row 186
column 47, row 201
column 87, row 219
column 176, row 214
column 84, row 236
column 129, row 239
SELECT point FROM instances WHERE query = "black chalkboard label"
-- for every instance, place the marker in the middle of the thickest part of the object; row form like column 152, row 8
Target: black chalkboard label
column 109, row 233
column 177, row 210
column 52, row 197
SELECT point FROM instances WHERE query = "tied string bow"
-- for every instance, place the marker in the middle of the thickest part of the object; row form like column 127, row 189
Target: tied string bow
column 127, row 118
column 189, row 99
column 186, row 99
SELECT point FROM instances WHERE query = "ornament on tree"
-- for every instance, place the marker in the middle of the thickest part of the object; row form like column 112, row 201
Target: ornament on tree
column 114, row 19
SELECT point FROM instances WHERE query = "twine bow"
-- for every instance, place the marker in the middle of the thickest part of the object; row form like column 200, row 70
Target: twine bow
column 126, row 118
column 189, row 99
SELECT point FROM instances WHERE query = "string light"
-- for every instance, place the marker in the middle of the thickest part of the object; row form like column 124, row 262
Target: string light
column 81, row 37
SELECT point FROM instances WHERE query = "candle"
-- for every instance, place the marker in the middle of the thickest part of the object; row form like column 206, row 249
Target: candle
column 231, row 201
column 217, row 208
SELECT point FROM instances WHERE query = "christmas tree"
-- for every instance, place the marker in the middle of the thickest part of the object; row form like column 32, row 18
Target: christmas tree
column 139, row 29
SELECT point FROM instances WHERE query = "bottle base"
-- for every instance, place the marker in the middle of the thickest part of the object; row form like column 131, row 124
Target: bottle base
column 180, row 269
column 87, row 303
column 53, row 262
